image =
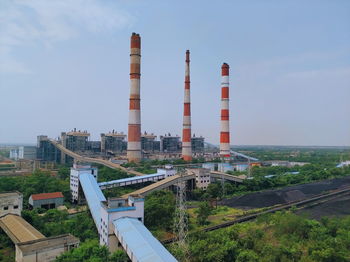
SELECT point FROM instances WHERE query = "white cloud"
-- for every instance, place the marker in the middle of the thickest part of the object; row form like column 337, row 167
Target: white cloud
column 32, row 22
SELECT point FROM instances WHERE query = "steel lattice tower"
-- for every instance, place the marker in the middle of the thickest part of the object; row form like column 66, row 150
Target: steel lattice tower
column 181, row 220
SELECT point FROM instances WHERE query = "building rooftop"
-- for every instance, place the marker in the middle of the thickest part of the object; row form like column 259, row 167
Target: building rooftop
column 48, row 242
column 143, row 245
column 47, row 196
column 18, row 229
column 9, row 194
column 78, row 133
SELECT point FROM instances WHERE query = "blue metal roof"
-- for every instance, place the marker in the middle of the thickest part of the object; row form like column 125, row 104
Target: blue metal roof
column 129, row 179
column 143, row 245
column 93, row 195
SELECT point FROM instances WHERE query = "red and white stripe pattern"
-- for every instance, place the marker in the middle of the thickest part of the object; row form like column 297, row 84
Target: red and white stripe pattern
column 225, row 115
column 134, row 127
column 186, row 132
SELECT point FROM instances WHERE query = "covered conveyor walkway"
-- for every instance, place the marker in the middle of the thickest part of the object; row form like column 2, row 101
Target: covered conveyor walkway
column 139, row 243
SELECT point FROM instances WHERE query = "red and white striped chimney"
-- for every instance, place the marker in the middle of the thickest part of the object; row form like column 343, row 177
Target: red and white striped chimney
column 225, row 115
column 134, row 127
column 186, row 132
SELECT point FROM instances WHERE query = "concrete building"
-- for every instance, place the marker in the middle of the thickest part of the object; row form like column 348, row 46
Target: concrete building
column 170, row 144
column 75, row 172
column 76, row 141
column 46, row 200
column 30, row 244
column 149, row 143
column 46, row 249
column 197, row 143
column 94, row 147
column 23, row 152
column 46, row 151
column 202, row 177
column 115, row 208
column 11, row 203
column 113, row 142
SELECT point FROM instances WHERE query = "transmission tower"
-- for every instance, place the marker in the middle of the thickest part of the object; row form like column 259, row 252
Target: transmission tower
column 180, row 222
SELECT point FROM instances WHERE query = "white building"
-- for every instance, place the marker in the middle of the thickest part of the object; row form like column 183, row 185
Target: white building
column 75, row 171
column 23, row 152
column 202, row 177
column 115, row 208
column 168, row 170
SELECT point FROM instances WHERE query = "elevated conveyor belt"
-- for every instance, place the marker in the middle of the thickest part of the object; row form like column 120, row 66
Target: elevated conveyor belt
column 131, row 181
column 169, row 181
column 139, row 243
column 220, row 175
column 80, row 158
column 93, row 195
column 18, row 229
column 244, row 156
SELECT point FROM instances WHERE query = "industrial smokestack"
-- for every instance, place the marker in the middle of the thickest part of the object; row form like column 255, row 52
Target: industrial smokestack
column 186, row 132
column 225, row 115
column 134, row 127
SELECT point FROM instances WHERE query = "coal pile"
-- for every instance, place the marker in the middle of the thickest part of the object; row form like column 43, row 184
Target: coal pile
column 285, row 195
column 336, row 207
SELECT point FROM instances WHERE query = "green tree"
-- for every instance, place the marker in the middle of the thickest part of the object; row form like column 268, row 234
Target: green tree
column 159, row 210
column 203, row 212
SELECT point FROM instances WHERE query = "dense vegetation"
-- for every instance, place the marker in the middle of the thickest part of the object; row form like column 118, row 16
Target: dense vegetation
column 330, row 155
column 279, row 237
column 38, row 182
column 283, row 236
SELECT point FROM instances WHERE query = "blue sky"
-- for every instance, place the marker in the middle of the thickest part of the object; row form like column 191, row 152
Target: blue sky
column 64, row 64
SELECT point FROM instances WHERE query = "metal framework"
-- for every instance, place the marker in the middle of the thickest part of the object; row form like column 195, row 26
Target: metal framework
column 181, row 218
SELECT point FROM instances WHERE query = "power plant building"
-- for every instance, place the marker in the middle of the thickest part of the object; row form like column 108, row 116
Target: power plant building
column 46, row 151
column 197, row 143
column 149, row 143
column 113, row 142
column 75, row 141
column 170, row 144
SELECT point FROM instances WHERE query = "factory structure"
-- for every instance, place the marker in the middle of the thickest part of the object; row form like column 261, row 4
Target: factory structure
column 135, row 145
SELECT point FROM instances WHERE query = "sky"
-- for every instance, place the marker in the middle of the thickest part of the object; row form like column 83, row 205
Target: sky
column 64, row 64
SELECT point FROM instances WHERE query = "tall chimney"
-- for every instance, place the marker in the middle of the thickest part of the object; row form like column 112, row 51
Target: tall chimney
column 225, row 116
column 134, row 127
column 186, row 132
